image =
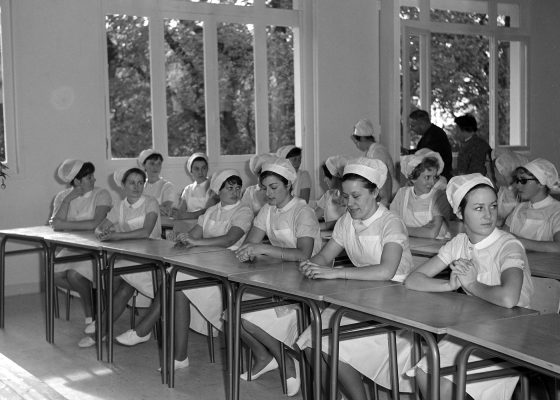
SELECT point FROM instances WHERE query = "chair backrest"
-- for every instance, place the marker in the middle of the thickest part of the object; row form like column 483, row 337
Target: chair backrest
column 546, row 297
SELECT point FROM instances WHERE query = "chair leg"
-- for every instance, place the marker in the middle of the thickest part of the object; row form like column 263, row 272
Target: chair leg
column 68, row 299
column 525, row 390
column 249, row 364
column 133, row 312
column 283, row 368
column 210, row 339
column 56, row 303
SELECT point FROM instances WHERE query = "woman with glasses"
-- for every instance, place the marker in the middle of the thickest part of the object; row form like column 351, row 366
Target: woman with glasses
column 423, row 206
column 536, row 220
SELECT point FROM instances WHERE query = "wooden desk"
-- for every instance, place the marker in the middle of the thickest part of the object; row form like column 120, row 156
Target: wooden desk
column 425, row 247
column 530, row 341
column 287, row 281
column 544, row 265
column 424, row 313
column 218, row 266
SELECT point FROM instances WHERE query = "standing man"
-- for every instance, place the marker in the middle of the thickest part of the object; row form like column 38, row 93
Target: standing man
column 433, row 138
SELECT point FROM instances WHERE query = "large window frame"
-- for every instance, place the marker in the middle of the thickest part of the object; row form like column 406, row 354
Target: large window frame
column 260, row 16
column 8, row 92
column 518, row 37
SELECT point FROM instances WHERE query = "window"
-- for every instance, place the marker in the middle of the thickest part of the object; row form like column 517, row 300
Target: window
column 7, row 127
column 465, row 57
column 215, row 76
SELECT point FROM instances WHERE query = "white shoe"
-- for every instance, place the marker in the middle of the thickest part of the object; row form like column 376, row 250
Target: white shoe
column 131, row 338
column 179, row 364
column 88, row 341
column 293, row 384
column 90, row 328
column 271, row 366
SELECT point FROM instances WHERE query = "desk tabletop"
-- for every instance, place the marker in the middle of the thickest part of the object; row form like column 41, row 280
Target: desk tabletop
column 221, row 263
column 83, row 239
column 29, row 232
column 545, row 265
column 424, row 246
column 154, row 249
column 432, row 312
column 532, row 339
column 287, row 278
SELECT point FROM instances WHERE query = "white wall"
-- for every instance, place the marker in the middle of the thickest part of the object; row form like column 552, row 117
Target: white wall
column 59, row 43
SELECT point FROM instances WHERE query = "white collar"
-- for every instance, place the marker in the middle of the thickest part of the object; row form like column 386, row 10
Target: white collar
column 368, row 221
column 421, row 196
column 228, row 207
column 138, row 203
column 87, row 195
column 488, row 240
column 288, row 205
column 548, row 200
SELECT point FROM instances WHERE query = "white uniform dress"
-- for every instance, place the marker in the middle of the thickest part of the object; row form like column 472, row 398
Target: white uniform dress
column 162, row 191
column 303, row 181
column 379, row 152
column 363, row 242
column 80, row 209
column 507, row 201
column 492, row 256
column 283, row 227
column 196, row 195
column 537, row 221
column 331, row 205
column 418, row 210
column 254, row 197
column 129, row 217
column 207, row 303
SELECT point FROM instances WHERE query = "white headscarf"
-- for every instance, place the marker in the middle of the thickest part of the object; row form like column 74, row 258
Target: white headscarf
column 460, row 185
column 408, row 163
column 144, row 155
column 193, row 157
column 220, row 177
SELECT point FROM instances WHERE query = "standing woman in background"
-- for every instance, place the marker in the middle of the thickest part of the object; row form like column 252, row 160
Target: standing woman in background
column 254, row 196
column 80, row 207
column 293, row 230
column 536, row 221
column 196, row 197
column 423, row 207
column 163, row 191
column 302, row 185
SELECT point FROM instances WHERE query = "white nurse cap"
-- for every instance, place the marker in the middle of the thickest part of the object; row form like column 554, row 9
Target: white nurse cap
column 69, row 169
column 220, row 177
column 408, row 163
column 507, row 161
column 460, row 185
column 282, row 167
column 373, row 170
column 364, row 127
column 192, row 158
column 336, row 164
column 544, row 171
column 283, row 151
column 118, row 176
column 256, row 162
column 144, row 155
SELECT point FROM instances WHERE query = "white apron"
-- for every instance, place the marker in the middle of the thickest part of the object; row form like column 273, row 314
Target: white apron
column 416, row 219
column 530, row 225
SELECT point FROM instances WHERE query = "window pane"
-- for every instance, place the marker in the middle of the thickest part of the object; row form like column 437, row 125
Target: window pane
column 280, row 56
column 230, row 2
column 129, row 85
column 510, row 113
column 458, row 17
column 184, row 65
column 459, row 73
column 411, row 13
column 237, row 87
column 2, row 131
column 286, row 4
column 508, row 15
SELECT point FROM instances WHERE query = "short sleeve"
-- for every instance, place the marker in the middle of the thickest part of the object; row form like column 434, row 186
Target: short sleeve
column 306, row 224
column 58, row 199
column 243, row 218
column 113, row 214
column 441, row 205
column 394, row 231
column 200, row 219
column 397, row 204
column 555, row 222
column 339, row 230
column 322, row 202
column 169, row 193
column 260, row 219
column 512, row 255
column 452, row 250
column 103, row 198
column 509, row 218
column 151, row 205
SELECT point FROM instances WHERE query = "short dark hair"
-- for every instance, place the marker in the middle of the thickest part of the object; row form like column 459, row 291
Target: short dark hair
column 465, row 198
column 266, row 174
column 87, row 168
column 232, row 180
column 296, row 151
column 369, row 185
column 326, row 171
column 419, row 114
column 154, row 156
column 427, row 163
column 133, row 171
column 467, row 123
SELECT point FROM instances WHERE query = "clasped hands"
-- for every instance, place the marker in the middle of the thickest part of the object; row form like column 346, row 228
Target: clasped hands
column 105, row 234
column 313, row 270
column 463, row 273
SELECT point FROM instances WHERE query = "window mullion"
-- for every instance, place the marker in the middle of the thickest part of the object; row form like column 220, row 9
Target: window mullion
column 158, row 84
column 261, row 90
column 212, row 100
column 493, row 90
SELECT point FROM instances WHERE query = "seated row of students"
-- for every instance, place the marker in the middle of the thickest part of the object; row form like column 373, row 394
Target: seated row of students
column 293, row 232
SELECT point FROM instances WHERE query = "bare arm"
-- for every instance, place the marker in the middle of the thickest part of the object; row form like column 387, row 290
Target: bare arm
column 86, row 225
column 548, row 246
column 194, row 237
column 506, row 294
column 105, row 232
column 422, row 279
column 430, row 230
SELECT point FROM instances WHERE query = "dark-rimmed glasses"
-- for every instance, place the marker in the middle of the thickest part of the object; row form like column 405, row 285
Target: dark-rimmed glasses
column 523, row 181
